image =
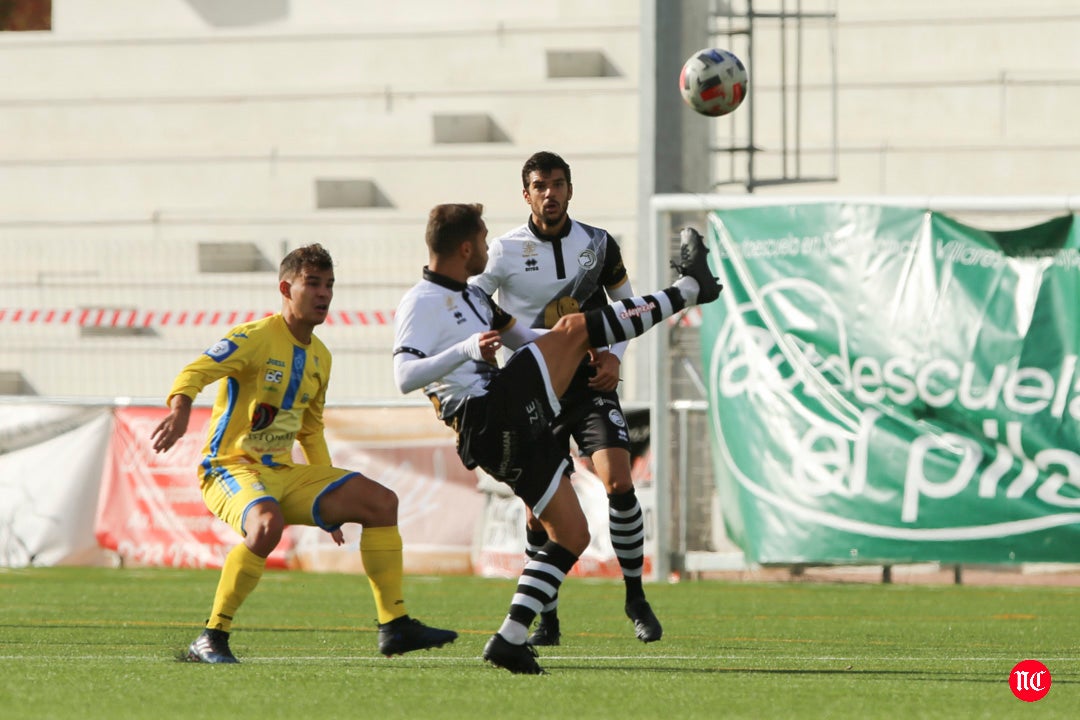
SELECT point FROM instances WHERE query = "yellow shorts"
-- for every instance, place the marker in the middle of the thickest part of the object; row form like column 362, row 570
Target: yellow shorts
column 231, row 489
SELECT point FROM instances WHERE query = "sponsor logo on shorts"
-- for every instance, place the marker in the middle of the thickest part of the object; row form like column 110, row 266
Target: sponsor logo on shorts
column 507, row 452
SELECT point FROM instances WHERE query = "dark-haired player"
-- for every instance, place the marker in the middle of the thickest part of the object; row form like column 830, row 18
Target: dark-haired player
column 447, row 333
column 550, row 266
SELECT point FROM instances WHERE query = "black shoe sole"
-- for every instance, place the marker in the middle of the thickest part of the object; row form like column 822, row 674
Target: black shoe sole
column 708, row 283
column 543, row 641
column 192, row 657
column 392, row 653
column 517, row 670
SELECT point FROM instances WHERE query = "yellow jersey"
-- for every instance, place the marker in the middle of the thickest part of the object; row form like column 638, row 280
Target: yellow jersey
column 272, row 394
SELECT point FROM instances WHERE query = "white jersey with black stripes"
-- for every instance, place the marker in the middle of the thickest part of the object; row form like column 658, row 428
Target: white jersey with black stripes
column 539, row 279
column 438, row 313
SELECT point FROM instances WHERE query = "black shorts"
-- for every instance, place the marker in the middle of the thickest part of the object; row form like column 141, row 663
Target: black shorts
column 594, row 419
column 508, row 431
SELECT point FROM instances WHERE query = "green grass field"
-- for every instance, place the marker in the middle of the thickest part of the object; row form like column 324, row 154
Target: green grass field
column 98, row 643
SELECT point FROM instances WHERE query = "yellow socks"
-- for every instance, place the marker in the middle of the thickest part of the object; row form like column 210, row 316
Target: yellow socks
column 239, row 575
column 380, row 549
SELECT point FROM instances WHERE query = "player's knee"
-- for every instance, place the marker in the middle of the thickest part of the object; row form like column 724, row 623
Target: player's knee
column 264, row 531
column 577, row 540
column 572, row 326
column 381, row 506
column 388, row 503
column 618, row 484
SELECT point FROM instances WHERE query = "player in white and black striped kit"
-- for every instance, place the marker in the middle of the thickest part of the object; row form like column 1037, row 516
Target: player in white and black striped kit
column 446, row 335
column 542, row 270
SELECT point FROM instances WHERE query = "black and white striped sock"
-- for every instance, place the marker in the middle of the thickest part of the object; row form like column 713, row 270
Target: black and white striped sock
column 629, row 318
column 534, row 542
column 627, row 527
column 538, row 585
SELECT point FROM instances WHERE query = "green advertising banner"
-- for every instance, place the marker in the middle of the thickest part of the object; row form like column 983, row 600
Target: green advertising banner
column 890, row 385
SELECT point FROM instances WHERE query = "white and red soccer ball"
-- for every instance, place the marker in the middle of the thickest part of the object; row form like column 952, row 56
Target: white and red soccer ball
column 713, row 82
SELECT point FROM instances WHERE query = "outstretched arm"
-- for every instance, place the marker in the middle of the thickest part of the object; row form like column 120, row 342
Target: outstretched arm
column 412, row 372
column 517, row 335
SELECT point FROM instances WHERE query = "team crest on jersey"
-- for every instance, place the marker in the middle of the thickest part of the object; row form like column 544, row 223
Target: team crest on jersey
column 528, row 249
column 263, row 416
column 587, row 259
column 221, row 350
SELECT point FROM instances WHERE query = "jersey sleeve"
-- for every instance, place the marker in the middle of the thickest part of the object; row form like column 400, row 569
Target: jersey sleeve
column 411, row 336
column 227, row 357
column 492, row 278
column 614, row 272
column 500, row 319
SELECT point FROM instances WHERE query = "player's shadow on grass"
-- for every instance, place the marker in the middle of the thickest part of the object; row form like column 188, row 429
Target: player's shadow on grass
column 989, row 677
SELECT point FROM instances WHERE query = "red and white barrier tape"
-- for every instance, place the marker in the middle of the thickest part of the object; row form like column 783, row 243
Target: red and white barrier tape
column 126, row 318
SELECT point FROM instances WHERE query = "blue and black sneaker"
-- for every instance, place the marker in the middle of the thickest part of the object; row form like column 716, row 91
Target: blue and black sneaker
column 212, row 646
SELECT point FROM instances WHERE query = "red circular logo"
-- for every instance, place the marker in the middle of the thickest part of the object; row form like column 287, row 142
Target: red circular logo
column 1029, row 680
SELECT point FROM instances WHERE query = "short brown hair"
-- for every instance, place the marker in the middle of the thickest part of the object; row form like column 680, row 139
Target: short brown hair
column 313, row 256
column 544, row 162
column 451, row 224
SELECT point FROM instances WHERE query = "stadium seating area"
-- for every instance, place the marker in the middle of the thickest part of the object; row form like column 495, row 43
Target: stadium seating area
column 161, row 155
column 166, row 160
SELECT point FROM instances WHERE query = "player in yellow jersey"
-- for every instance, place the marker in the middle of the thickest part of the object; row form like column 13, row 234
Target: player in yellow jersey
column 274, row 373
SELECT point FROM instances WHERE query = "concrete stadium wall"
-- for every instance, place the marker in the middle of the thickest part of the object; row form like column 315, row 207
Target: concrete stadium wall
column 147, row 129
column 137, row 131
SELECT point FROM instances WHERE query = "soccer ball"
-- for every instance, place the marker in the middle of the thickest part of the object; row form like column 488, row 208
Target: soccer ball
column 713, row 82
